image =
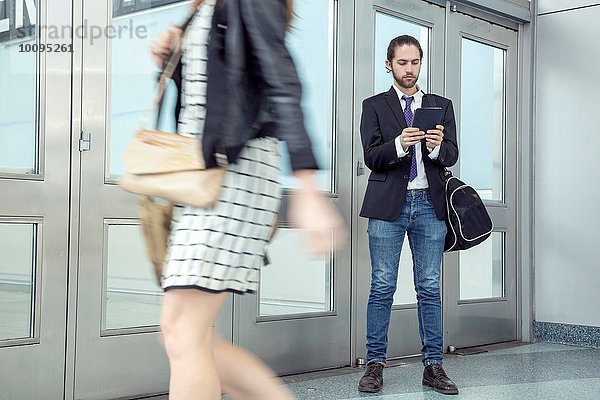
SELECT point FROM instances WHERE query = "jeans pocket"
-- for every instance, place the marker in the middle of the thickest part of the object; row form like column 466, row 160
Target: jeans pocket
column 374, row 226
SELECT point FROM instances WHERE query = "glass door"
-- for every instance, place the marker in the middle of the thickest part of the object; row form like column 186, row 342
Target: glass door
column 380, row 22
column 300, row 319
column 480, row 283
column 118, row 344
column 34, row 199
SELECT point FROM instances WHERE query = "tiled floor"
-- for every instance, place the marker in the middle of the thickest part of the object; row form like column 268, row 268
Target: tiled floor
column 541, row 371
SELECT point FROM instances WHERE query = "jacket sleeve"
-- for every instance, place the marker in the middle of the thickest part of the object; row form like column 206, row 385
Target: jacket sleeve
column 265, row 24
column 448, row 155
column 379, row 155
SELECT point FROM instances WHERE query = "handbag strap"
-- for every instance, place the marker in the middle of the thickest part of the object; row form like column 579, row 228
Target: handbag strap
column 170, row 66
column 169, row 70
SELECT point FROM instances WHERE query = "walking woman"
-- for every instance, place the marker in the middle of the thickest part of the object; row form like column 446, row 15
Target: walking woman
column 239, row 89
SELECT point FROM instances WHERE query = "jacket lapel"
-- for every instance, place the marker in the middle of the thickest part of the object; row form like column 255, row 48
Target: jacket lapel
column 394, row 102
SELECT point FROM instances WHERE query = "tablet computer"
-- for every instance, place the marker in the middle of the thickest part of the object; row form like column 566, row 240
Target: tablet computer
column 427, row 118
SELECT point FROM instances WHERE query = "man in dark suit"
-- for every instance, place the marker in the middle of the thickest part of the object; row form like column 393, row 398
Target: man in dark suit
column 405, row 195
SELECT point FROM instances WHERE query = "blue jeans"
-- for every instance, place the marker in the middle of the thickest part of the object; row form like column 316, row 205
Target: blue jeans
column 426, row 235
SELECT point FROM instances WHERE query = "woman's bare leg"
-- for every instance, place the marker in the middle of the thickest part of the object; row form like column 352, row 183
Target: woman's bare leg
column 186, row 321
column 244, row 376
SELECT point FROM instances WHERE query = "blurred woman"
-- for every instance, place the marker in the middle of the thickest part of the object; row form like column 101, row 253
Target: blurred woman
column 239, row 89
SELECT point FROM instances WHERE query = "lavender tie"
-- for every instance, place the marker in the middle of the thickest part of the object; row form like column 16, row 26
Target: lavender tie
column 408, row 116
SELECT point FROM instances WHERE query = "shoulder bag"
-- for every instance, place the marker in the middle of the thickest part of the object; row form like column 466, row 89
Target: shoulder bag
column 467, row 219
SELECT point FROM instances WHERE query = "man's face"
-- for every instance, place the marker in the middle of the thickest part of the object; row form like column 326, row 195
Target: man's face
column 406, row 66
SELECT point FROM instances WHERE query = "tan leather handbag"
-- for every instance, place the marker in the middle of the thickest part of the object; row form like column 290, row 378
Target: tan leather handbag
column 155, row 221
column 170, row 166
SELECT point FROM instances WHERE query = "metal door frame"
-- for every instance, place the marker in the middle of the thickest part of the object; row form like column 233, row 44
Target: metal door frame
column 520, row 228
column 458, row 331
column 42, row 199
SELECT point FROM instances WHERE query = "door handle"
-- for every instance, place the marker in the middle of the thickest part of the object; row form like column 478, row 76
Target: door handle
column 360, row 168
column 85, row 141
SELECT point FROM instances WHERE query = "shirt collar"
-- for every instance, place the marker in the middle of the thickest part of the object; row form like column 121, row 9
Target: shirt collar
column 418, row 95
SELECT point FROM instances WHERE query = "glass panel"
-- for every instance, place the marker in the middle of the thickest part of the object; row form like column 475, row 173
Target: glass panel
column 388, row 27
column 134, row 76
column 482, row 118
column 405, row 289
column 17, row 295
column 132, row 296
column 18, row 87
column 482, row 269
column 294, row 282
column 311, row 42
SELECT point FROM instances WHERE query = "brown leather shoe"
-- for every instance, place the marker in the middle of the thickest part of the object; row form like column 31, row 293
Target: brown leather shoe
column 435, row 377
column 372, row 380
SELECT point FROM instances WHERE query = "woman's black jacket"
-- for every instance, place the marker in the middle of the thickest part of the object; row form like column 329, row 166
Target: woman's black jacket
column 253, row 88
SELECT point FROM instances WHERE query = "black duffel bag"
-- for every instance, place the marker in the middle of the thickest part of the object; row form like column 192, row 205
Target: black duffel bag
column 467, row 219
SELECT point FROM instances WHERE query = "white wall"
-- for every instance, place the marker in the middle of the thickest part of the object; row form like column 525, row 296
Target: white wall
column 567, row 170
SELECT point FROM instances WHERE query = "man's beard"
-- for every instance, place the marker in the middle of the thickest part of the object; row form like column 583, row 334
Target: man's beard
column 401, row 82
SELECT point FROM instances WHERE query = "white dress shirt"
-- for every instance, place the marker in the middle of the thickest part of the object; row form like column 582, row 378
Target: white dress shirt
column 420, row 182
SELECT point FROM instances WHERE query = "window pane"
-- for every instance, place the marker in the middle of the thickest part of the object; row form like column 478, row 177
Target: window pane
column 482, row 269
column 17, row 295
column 482, row 115
column 133, row 79
column 387, row 27
column 18, row 89
column 132, row 296
column 311, row 42
column 294, row 283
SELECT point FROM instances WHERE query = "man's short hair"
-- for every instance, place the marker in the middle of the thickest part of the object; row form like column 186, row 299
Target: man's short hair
column 401, row 41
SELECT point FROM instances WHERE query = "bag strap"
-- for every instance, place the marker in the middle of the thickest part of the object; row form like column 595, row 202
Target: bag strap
column 430, row 100
column 170, row 66
column 445, row 174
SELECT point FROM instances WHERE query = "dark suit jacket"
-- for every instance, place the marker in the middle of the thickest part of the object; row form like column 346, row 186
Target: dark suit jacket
column 381, row 122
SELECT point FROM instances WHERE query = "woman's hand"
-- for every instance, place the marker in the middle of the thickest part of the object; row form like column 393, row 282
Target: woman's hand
column 311, row 211
column 163, row 45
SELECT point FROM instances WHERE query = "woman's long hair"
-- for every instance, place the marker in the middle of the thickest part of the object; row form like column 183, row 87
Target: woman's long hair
column 290, row 8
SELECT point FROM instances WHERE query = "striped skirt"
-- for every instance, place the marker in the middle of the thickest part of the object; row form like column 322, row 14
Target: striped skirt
column 222, row 248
